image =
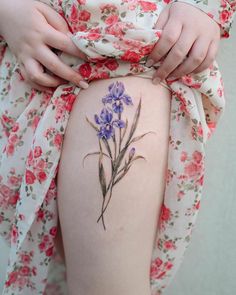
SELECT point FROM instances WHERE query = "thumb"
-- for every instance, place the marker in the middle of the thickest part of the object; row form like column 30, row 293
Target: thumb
column 53, row 18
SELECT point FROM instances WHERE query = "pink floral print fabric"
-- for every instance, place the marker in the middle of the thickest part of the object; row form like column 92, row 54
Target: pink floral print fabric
column 117, row 36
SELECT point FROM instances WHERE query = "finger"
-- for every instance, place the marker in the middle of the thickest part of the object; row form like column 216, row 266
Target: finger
column 62, row 42
column 211, row 56
column 176, row 55
column 53, row 18
column 196, row 56
column 51, row 61
column 169, row 36
column 35, row 74
column 163, row 18
column 33, row 85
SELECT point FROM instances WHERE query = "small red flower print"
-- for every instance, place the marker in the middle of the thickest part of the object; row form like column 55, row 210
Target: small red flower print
column 13, row 199
column 42, row 246
column 70, row 100
column 148, row 6
column 41, row 164
column 37, row 151
column 84, row 15
column 169, row 245
column 24, row 271
column 112, row 19
column 224, row 16
column 53, row 231
column 74, row 14
column 112, row 65
column 15, row 127
column 14, row 233
column 130, row 56
column 12, row 277
column 35, row 122
column 25, row 259
column 10, row 149
column 29, row 177
column 40, row 214
column 13, row 180
column 85, row 70
column 197, row 156
column 41, row 176
column 165, row 213
column 5, row 190
column 49, row 251
column 13, row 139
column 197, row 206
column 57, row 140
column 183, row 156
column 192, row 169
column 158, row 262
column 168, row 265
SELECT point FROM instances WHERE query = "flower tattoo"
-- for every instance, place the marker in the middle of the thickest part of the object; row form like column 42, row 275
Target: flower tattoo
column 111, row 130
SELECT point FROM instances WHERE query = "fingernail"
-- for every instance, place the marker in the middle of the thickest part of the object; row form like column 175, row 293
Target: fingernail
column 83, row 84
column 156, row 81
column 149, row 63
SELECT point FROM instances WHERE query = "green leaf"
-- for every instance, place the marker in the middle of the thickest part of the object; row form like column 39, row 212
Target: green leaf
column 94, row 126
column 95, row 153
column 140, row 136
column 122, row 175
column 123, row 134
column 137, row 157
column 102, row 177
column 135, row 121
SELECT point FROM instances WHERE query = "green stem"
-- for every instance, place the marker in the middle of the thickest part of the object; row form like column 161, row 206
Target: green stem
column 104, row 209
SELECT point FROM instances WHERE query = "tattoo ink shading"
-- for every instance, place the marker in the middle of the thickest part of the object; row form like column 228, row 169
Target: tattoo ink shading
column 111, row 129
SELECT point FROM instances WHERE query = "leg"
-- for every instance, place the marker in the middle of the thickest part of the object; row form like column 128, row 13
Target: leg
column 116, row 260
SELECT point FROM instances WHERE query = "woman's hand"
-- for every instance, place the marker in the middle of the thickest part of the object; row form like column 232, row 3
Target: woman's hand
column 189, row 40
column 31, row 29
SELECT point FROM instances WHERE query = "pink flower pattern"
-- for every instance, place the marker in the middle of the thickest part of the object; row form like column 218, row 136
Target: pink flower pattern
column 117, row 38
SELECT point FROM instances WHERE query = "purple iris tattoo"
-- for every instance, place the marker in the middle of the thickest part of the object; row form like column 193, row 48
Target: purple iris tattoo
column 115, row 141
column 106, row 124
column 117, row 97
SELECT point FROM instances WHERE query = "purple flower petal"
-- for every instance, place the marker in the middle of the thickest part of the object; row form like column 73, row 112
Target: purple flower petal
column 107, row 99
column 97, row 120
column 106, row 116
column 117, row 90
column 119, row 123
column 110, row 87
column 127, row 99
column 118, row 106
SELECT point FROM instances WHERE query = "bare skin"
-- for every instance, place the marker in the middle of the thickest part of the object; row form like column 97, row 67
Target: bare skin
column 116, row 260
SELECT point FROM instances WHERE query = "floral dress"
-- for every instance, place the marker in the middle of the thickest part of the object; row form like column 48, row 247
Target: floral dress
column 117, row 36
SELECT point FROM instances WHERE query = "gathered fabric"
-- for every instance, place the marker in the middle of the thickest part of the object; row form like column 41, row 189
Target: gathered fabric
column 117, row 38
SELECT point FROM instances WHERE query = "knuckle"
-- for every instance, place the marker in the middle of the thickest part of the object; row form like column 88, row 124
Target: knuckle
column 198, row 58
column 170, row 38
column 32, row 76
column 63, row 44
column 178, row 53
column 52, row 65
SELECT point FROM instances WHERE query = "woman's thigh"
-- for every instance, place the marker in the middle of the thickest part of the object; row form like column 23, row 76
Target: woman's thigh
column 113, row 255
